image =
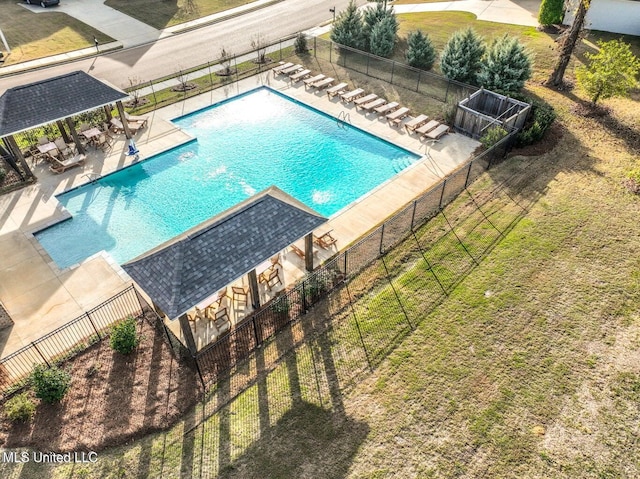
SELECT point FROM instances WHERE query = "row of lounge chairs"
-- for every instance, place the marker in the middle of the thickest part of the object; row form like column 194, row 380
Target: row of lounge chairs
column 298, row 73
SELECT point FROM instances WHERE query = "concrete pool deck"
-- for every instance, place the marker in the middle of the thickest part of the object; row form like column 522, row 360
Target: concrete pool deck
column 40, row 297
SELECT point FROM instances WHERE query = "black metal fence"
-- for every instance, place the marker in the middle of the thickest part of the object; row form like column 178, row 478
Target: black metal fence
column 427, row 83
column 70, row 339
column 218, row 358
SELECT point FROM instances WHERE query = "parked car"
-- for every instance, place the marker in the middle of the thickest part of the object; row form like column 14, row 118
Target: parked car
column 42, row 3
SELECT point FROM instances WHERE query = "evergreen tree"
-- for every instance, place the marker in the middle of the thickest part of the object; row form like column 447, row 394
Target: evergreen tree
column 420, row 51
column 461, row 57
column 347, row 29
column 373, row 16
column 551, row 12
column 611, row 72
column 383, row 37
column 507, row 65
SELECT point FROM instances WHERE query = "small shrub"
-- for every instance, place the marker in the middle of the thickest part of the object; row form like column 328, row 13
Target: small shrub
column 551, row 12
column 3, row 175
column 20, row 408
column 124, row 338
column 461, row 58
column 492, row 136
column 632, row 183
column 50, row 384
column 300, row 44
column 540, row 119
column 420, row 51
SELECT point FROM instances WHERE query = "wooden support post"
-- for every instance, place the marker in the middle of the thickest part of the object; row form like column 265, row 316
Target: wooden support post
column 253, row 289
column 123, row 119
column 188, row 334
column 63, row 131
column 76, row 138
column 10, row 141
column 308, row 252
column 107, row 112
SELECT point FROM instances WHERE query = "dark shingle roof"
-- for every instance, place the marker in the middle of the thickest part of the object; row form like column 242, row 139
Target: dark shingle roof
column 191, row 267
column 29, row 106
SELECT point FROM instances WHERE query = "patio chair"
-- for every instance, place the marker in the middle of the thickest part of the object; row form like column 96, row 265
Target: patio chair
column 387, row 108
column 352, row 95
column 221, row 295
column 65, row 149
column 116, row 126
column 291, row 69
column 43, row 140
column 240, row 293
column 301, row 75
column 325, row 241
column 336, row 90
column 322, row 84
column 196, row 314
column 297, row 251
column 270, row 277
column 221, row 320
column 103, row 141
column 142, row 119
column 275, row 260
column 317, row 78
column 395, row 117
column 58, row 166
column 417, row 122
column 83, row 127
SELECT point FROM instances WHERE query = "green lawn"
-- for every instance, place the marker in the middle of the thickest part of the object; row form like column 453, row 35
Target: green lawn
column 33, row 36
column 162, row 14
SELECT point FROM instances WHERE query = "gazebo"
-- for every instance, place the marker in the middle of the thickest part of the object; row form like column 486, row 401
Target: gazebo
column 191, row 268
column 56, row 99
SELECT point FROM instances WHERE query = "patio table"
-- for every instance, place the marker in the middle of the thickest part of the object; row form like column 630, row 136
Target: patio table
column 47, row 147
column 91, row 135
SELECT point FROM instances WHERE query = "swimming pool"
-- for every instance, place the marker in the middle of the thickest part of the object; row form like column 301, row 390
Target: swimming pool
column 244, row 144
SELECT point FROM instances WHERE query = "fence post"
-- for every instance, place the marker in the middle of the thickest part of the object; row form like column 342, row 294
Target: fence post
column 381, row 238
column 444, row 184
column 153, row 91
column 393, row 67
column 304, row 296
column 345, row 262
column 368, row 58
column 315, row 47
column 466, row 180
column 255, row 332
column 330, row 51
column 41, row 355
column 418, row 84
column 94, row 326
column 446, row 93
column 413, row 213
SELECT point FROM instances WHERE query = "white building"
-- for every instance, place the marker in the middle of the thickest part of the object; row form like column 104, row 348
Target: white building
column 617, row 16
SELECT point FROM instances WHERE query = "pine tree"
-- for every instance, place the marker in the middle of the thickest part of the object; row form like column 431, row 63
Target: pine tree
column 611, row 72
column 371, row 17
column 347, row 29
column 420, row 51
column 551, row 12
column 507, row 65
column 461, row 58
column 383, row 37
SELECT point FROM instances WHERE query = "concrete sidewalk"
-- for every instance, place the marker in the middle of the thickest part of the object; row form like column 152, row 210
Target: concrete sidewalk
column 520, row 12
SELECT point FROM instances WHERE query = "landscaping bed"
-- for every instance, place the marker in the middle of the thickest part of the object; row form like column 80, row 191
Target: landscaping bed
column 113, row 398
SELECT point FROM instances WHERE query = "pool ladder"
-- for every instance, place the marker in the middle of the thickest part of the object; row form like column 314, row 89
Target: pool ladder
column 343, row 119
column 92, row 177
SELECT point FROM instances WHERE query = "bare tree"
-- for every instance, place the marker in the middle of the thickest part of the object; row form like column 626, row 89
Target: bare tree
column 568, row 43
column 134, row 90
column 183, row 80
column 225, row 61
column 259, row 44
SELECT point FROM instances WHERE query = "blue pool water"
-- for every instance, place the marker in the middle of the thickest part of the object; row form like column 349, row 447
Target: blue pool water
column 243, row 145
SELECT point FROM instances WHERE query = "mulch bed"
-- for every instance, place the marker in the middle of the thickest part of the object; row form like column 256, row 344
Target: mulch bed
column 549, row 141
column 113, row 398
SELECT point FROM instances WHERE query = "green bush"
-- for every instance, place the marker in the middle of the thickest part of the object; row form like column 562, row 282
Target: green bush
column 492, row 136
column 300, row 45
column 50, row 384
column 124, row 338
column 551, row 12
column 20, row 408
column 506, row 66
column 461, row 58
column 3, row 175
column 540, row 119
column 420, row 51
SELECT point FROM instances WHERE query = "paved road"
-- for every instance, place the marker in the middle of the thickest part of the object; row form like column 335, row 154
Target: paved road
column 195, row 47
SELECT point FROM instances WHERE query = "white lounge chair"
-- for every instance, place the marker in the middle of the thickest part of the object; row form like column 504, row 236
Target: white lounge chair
column 59, row 166
column 314, row 79
column 336, row 90
column 352, row 95
column 373, row 104
column 437, row 132
column 278, row 68
column 365, row 99
column 295, row 77
column 417, row 122
column 292, row 69
column 430, row 125
column 395, row 117
column 323, row 83
column 388, row 108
